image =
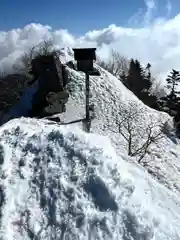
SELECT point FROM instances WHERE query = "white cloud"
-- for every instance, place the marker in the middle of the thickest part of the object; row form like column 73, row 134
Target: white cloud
column 151, row 6
column 144, row 17
column 169, row 8
column 157, row 43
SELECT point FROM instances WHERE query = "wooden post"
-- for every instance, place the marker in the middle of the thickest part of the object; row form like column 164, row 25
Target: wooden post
column 84, row 58
column 88, row 121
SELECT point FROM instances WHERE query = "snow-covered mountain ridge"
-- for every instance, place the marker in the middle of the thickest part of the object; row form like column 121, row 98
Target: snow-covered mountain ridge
column 108, row 94
column 58, row 182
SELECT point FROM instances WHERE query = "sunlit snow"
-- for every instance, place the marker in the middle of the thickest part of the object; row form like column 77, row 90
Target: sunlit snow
column 61, row 183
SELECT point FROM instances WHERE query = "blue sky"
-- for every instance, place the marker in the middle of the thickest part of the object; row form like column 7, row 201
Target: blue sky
column 78, row 16
column 154, row 35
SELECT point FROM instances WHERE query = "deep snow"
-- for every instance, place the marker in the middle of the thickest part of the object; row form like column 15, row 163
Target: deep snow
column 61, row 183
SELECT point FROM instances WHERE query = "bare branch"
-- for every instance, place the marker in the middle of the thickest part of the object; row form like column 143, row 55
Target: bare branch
column 138, row 137
column 116, row 65
column 43, row 48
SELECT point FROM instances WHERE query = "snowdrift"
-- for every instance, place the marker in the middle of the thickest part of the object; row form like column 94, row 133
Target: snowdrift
column 57, row 182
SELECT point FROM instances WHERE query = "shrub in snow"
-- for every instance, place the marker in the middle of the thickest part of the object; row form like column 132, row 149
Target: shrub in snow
column 138, row 137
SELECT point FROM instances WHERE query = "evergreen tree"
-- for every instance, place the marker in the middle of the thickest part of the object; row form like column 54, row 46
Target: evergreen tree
column 147, row 78
column 148, row 69
column 137, row 81
column 171, row 103
column 134, row 76
column 172, row 81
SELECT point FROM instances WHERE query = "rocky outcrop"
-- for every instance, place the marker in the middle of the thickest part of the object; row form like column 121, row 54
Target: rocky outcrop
column 52, row 78
column 11, row 89
column 40, row 94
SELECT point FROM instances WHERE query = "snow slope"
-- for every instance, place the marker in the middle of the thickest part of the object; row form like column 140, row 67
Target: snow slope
column 61, row 183
column 107, row 93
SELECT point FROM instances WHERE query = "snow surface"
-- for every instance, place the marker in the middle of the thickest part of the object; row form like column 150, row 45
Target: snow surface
column 61, row 183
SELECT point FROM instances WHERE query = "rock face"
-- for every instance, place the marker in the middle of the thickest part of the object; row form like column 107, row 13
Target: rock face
column 50, row 97
column 11, row 89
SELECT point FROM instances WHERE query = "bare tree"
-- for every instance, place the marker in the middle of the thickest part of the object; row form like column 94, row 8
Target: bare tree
column 43, row 48
column 27, row 58
column 131, row 125
column 116, row 65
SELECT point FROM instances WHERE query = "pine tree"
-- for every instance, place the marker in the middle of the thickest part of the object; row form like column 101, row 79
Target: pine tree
column 147, row 78
column 137, row 81
column 148, row 69
column 134, row 75
column 172, row 81
column 171, row 103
